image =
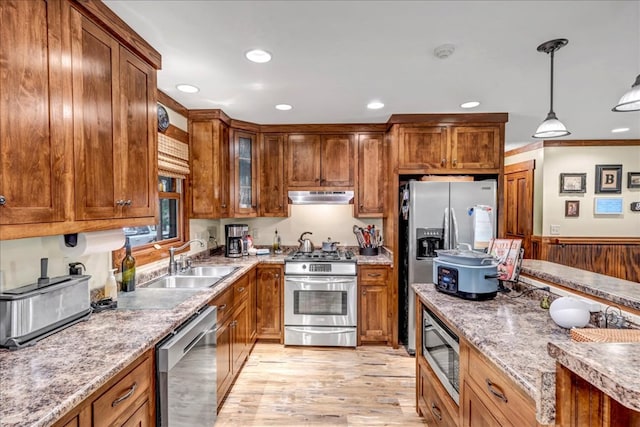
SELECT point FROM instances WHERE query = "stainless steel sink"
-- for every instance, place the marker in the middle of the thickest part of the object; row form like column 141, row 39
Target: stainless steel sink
column 184, row 282
column 210, row 271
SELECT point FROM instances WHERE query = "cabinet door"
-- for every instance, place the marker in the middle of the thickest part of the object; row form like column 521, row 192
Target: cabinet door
column 474, row 412
column 475, row 147
column 374, row 320
column 140, row 417
column 337, row 159
column 372, row 167
column 239, row 336
column 209, row 180
column 223, row 359
column 95, row 60
column 137, row 141
column 271, row 197
column 245, row 176
column 423, row 148
column 269, row 302
column 303, row 160
column 35, row 136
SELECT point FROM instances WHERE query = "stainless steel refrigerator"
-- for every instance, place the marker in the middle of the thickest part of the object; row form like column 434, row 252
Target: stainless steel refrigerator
column 438, row 215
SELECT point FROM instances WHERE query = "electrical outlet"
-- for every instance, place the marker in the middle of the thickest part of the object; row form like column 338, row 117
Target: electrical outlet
column 555, row 230
column 255, row 233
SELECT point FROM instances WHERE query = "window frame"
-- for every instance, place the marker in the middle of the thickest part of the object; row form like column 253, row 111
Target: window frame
column 147, row 253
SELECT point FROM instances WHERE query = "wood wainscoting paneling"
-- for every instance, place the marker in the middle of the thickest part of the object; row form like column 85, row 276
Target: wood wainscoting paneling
column 613, row 256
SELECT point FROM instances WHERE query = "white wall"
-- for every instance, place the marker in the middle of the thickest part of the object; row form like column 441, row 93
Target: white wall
column 584, row 160
column 549, row 202
column 335, row 221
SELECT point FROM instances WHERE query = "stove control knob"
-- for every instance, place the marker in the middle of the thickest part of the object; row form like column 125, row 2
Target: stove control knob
column 304, row 266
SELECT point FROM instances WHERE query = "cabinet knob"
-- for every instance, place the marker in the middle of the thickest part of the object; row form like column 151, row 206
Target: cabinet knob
column 277, row 275
column 119, row 202
column 455, row 162
column 2, row 200
column 280, row 206
column 254, row 206
column 364, row 292
column 241, row 289
column 224, row 205
column 361, row 206
column 127, row 202
column 442, row 162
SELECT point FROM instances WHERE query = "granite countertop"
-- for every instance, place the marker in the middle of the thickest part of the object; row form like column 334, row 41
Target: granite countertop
column 611, row 367
column 618, row 291
column 513, row 333
column 41, row 383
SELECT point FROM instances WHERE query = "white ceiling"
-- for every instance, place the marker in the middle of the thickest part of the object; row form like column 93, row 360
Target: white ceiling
column 330, row 58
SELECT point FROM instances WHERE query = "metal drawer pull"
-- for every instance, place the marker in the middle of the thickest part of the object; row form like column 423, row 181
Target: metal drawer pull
column 436, row 411
column 222, row 307
column 241, row 289
column 125, row 396
column 374, row 274
column 497, row 394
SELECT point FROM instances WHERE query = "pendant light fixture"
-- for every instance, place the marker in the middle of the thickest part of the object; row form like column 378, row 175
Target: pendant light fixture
column 630, row 101
column 551, row 127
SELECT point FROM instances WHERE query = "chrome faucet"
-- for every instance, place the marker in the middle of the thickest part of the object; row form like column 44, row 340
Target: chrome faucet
column 173, row 265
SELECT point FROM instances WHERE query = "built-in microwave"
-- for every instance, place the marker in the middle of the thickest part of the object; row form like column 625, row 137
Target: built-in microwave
column 441, row 349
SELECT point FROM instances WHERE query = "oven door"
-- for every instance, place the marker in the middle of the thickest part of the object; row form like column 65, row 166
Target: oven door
column 441, row 349
column 320, row 301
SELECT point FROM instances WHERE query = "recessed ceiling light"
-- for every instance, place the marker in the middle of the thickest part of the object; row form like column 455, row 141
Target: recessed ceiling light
column 187, row 88
column 470, row 104
column 375, row 105
column 619, row 130
column 283, row 107
column 258, row 55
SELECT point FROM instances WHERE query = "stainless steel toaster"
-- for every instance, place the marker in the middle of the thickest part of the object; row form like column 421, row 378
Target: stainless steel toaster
column 34, row 311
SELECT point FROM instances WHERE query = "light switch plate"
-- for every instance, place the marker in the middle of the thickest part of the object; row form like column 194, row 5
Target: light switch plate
column 555, row 230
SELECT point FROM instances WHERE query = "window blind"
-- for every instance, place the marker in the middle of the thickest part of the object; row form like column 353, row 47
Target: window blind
column 173, row 157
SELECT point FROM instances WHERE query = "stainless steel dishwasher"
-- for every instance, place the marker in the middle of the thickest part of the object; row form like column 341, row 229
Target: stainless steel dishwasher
column 186, row 370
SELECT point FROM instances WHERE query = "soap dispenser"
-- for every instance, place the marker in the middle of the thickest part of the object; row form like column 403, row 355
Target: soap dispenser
column 111, row 287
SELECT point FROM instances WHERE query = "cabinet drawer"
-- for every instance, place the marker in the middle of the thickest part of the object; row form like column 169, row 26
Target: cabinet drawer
column 431, row 400
column 118, row 398
column 241, row 290
column 377, row 275
column 498, row 390
column 224, row 302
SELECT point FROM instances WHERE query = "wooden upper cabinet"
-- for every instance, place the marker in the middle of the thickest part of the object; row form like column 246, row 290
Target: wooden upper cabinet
column 210, row 168
column 423, row 147
column 372, row 171
column 475, row 147
column 336, row 160
column 35, row 135
column 303, row 160
column 115, row 143
column 271, row 194
column 450, row 149
column 245, row 176
column 320, row 160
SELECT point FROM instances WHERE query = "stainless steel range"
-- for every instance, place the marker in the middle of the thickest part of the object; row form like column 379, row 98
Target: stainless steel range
column 320, row 299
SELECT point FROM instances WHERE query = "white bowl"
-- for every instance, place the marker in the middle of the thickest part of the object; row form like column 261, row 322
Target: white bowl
column 569, row 312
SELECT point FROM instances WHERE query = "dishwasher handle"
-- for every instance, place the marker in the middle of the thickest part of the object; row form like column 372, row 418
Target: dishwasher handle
column 175, row 348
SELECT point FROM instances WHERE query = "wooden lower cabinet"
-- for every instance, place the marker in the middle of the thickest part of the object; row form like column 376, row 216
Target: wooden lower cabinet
column 269, row 302
column 581, row 404
column 128, row 399
column 433, row 401
column 235, row 335
column 374, row 308
column 488, row 396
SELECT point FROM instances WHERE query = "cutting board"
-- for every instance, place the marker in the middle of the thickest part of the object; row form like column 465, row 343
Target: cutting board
column 605, row 335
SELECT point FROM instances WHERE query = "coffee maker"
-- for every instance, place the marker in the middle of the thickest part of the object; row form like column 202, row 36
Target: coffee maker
column 234, row 234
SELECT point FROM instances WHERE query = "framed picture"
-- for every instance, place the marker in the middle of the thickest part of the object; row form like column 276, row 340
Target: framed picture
column 573, row 182
column 572, row 208
column 633, row 179
column 609, row 179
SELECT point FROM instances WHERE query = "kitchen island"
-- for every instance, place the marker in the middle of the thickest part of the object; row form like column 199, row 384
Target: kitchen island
column 521, row 340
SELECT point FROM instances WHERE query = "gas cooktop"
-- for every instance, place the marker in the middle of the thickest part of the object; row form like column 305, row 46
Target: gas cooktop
column 321, row 256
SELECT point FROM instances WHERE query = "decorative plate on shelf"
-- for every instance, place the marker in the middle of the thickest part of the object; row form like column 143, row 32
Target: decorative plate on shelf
column 163, row 118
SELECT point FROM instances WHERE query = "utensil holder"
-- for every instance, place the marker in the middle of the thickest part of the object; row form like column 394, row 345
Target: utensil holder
column 369, row 251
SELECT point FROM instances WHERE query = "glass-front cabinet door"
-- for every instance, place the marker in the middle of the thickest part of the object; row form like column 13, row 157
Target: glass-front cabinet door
column 245, row 174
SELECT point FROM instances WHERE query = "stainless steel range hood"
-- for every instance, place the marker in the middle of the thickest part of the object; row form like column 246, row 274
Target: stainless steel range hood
column 320, row 197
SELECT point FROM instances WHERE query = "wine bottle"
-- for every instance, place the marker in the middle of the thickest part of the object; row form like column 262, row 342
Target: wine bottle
column 277, row 244
column 128, row 268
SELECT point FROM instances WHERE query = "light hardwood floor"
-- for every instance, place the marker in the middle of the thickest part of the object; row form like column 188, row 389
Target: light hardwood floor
column 297, row 386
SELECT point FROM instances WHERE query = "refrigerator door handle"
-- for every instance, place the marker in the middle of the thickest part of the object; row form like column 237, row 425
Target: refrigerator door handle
column 454, row 229
column 446, row 228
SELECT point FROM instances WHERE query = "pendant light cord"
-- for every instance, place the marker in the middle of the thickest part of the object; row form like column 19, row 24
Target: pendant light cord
column 551, row 97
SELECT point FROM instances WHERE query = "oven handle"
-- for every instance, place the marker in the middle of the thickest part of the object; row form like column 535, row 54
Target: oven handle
column 309, row 280
column 332, row 331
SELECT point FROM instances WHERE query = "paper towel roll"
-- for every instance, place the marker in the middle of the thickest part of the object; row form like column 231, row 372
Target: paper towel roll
column 94, row 242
